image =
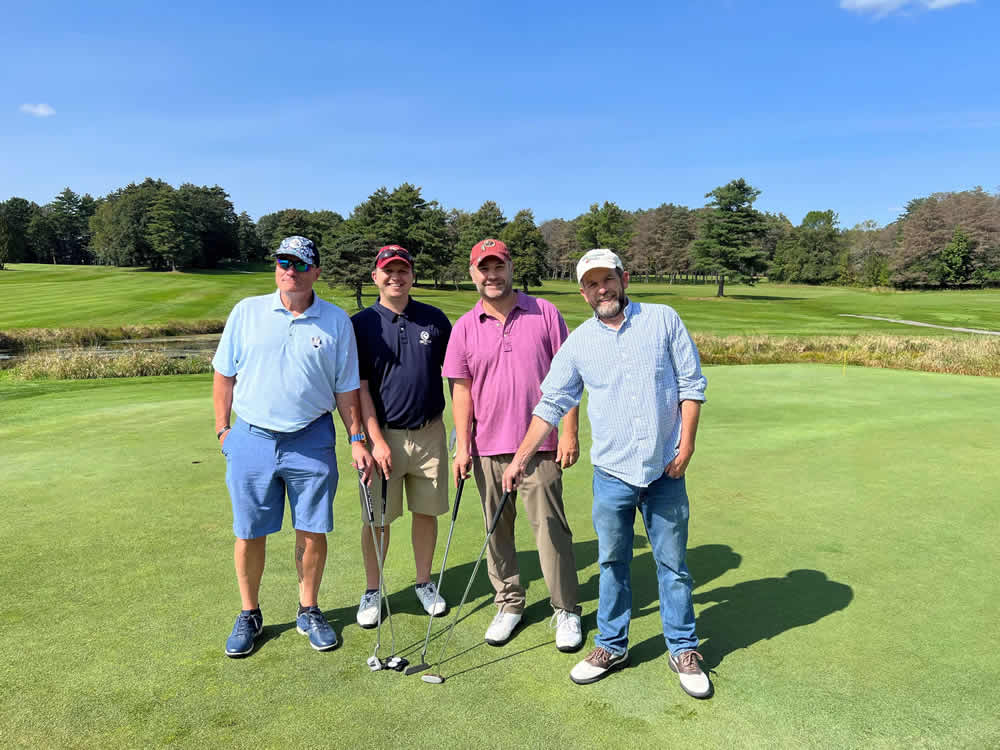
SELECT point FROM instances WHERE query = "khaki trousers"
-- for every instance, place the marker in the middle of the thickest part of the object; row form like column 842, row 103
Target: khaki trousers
column 541, row 491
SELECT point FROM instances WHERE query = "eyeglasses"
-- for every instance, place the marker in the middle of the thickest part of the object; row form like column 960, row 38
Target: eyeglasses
column 394, row 252
column 299, row 265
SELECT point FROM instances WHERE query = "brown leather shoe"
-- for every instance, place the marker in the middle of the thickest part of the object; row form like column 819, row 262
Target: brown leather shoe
column 599, row 664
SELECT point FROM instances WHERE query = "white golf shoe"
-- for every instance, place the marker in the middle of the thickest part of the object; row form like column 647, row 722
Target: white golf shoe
column 368, row 609
column 500, row 630
column 569, row 634
column 433, row 603
column 694, row 681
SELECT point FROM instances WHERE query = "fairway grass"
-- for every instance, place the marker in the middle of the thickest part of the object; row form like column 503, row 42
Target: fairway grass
column 843, row 544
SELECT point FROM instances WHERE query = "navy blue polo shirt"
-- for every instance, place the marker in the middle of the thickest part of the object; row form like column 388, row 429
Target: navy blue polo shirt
column 401, row 357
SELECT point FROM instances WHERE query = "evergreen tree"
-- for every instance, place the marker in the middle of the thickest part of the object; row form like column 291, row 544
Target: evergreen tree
column 727, row 242
column 527, row 247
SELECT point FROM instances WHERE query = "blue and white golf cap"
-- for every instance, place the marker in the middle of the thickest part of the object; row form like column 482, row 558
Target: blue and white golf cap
column 299, row 247
column 597, row 258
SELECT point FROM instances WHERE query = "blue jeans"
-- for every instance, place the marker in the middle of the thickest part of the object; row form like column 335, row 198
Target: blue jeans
column 664, row 509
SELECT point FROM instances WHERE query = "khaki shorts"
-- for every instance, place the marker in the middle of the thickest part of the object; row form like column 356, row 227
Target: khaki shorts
column 420, row 462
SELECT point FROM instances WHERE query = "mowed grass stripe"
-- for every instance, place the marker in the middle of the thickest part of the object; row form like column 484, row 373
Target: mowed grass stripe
column 841, row 541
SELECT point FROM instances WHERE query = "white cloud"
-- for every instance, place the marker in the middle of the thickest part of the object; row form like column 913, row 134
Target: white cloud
column 882, row 8
column 38, row 110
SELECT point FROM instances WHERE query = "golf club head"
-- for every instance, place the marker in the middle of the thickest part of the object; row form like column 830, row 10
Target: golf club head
column 434, row 679
column 421, row 667
column 374, row 663
column 396, row 662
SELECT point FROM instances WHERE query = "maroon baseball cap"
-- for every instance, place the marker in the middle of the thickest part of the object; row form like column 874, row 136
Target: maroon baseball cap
column 488, row 249
column 389, row 253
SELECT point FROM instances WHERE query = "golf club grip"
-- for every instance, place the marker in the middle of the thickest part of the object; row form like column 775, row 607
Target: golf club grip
column 367, row 497
column 499, row 512
column 458, row 499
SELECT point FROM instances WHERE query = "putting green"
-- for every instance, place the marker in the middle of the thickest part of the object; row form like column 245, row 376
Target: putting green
column 843, row 542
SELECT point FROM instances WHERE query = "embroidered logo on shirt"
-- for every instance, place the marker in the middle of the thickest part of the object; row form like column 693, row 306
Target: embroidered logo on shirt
column 317, row 342
column 425, row 337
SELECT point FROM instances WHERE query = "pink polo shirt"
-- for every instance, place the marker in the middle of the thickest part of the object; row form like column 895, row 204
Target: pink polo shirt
column 506, row 364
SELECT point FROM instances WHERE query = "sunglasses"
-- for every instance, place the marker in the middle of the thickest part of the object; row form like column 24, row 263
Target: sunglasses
column 393, row 252
column 299, row 265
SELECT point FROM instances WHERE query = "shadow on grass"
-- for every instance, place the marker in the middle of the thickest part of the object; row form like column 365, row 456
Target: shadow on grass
column 763, row 298
column 748, row 612
column 338, row 619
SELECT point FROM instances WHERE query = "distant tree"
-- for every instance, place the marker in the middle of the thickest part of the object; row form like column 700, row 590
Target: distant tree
column 347, row 258
column 606, row 226
column 956, row 259
column 6, row 240
column 171, row 232
column 486, row 222
column 728, row 242
column 564, row 248
column 251, row 249
column 813, row 252
column 19, row 213
column 527, row 247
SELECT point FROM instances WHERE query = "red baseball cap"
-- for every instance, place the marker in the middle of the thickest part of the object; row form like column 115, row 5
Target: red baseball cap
column 488, row 249
column 389, row 253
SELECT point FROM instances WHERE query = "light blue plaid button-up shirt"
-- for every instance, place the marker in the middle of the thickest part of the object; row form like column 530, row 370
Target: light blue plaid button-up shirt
column 635, row 378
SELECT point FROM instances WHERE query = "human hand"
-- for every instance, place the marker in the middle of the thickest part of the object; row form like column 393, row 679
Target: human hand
column 676, row 468
column 461, row 466
column 382, row 455
column 361, row 460
column 568, row 450
column 513, row 475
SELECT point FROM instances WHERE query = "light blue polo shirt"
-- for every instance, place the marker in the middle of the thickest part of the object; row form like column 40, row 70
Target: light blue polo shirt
column 288, row 369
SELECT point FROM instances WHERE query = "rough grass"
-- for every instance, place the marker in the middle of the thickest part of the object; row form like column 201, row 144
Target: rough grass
column 843, row 545
column 33, row 339
column 968, row 355
column 88, row 365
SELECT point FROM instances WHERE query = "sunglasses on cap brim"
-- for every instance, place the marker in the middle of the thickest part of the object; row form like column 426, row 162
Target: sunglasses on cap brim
column 393, row 252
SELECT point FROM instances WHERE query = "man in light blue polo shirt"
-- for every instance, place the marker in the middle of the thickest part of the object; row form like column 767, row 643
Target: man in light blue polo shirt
column 283, row 361
column 645, row 389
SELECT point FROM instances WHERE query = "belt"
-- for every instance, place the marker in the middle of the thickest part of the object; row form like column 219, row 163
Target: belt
column 420, row 426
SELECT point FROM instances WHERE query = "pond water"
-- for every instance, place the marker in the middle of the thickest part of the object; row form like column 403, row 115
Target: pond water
column 177, row 346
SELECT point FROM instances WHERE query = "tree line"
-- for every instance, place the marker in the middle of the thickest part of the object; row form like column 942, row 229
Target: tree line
column 944, row 240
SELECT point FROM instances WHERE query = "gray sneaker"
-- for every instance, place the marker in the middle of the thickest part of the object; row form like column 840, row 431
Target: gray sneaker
column 430, row 599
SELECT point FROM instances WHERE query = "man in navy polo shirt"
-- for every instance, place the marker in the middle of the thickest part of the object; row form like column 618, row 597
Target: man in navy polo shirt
column 401, row 347
column 283, row 361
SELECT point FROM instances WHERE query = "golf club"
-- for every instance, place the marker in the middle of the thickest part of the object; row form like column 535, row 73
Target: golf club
column 423, row 665
column 435, row 678
column 393, row 662
column 374, row 662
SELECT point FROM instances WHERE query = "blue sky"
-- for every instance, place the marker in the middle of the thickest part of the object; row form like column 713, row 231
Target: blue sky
column 854, row 105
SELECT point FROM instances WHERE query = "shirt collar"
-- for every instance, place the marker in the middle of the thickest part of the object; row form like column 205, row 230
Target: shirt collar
column 392, row 315
column 310, row 312
column 519, row 303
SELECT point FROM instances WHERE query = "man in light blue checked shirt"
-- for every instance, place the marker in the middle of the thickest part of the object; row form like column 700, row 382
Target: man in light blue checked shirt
column 645, row 389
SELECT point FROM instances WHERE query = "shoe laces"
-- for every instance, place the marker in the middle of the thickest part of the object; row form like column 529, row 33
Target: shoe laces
column 561, row 618
column 314, row 618
column 428, row 592
column 498, row 618
column 245, row 624
column 687, row 662
column 369, row 600
column 600, row 657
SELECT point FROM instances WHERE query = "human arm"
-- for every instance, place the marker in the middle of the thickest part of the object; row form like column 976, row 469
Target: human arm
column 690, row 413
column 461, row 411
column 538, row 430
column 568, row 450
column 349, row 406
column 381, row 452
column 222, row 401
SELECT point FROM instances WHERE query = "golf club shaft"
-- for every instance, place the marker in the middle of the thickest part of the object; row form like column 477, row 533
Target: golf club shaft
column 377, row 547
column 444, row 561
column 468, row 587
column 381, row 564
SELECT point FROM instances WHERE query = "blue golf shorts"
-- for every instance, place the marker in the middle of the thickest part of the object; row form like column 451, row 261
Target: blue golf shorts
column 262, row 466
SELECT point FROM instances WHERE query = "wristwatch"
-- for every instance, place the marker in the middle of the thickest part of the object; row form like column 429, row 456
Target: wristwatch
column 357, row 438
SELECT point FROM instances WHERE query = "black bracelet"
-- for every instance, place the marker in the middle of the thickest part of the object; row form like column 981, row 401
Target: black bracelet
column 219, row 433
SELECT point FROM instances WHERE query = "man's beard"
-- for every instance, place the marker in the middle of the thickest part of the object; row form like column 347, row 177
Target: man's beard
column 610, row 308
column 507, row 290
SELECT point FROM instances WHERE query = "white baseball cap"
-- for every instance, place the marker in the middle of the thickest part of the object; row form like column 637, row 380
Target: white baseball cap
column 597, row 258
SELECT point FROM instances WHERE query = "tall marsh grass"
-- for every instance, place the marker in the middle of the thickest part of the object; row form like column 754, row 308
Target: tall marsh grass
column 33, row 339
column 87, row 365
column 966, row 355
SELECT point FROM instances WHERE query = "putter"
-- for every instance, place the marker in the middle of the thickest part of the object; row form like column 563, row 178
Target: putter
column 393, row 662
column 435, row 678
column 423, row 665
column 374, row 662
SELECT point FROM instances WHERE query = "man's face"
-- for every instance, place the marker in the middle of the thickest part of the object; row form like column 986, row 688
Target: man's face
column 291, row 281
column 394, row 279
column 604, row 291
column 493, row 278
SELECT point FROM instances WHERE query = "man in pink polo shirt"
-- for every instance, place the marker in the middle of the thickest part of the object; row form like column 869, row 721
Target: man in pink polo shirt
column 498, row 354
